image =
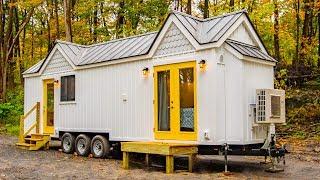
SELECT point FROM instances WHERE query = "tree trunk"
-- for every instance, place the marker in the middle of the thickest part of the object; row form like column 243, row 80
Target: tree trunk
column 23, row 50
column 318, row 39
column 56, row 17
column 305, row 30
column 32, row 40
column 95, row 24
column 296, row 59
column 206, row 9
column 67, row 18
column 2, row 25
column 6, row 53
column 276, row 31
column 16, row 76
column 120, row 20
column 231, row 4
column 49, row 34
column 189, row 7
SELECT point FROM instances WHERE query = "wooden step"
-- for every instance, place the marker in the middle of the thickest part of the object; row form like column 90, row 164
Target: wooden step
column 25, row 144
column 33, row 139
column 39, row 136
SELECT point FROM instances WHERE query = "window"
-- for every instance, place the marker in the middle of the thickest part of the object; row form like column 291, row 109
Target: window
column 67, row 88
column 275, row 106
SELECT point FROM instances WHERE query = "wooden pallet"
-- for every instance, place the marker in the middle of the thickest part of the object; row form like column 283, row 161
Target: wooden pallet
column 160, row 148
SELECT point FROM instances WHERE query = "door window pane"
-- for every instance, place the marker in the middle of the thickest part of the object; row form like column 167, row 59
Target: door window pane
column 50, row 104
column 164, row 101
column 186, row 87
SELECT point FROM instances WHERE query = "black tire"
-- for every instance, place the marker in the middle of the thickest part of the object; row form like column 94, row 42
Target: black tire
column 82, row 145
column 67, row 143
column 100, row 147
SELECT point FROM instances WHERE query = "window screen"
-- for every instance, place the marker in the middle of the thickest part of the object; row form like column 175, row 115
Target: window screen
column 68, row 88
column 275, row 106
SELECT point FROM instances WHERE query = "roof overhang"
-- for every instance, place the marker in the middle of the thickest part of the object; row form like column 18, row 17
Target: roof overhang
column 248, row 58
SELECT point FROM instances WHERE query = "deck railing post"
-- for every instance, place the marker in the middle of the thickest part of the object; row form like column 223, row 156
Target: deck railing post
column 21, row 138
column 38, row 118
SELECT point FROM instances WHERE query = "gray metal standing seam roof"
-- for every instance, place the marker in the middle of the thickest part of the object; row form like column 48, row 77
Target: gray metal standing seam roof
column 35, row 68
column 203, row 31
column 208, row 30
column 249, row 50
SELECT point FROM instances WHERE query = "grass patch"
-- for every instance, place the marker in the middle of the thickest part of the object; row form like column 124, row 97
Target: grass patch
column 12, row 129
column 299, row 135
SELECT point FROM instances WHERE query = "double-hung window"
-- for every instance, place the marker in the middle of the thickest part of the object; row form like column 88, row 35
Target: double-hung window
column 67, row 88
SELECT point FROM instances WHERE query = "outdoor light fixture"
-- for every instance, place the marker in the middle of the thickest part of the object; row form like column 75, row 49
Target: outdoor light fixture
column 202, row 64
column 145, row 71
column 56, row 83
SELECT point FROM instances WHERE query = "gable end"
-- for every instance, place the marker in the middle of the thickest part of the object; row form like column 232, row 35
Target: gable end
column 57, row 64
column 173, row 42
column 241, row 34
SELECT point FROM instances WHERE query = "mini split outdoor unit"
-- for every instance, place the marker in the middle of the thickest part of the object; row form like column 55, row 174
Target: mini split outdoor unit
column 270, row 106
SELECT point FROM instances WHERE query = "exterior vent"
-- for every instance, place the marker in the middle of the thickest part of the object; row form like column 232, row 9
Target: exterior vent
column 270, row 106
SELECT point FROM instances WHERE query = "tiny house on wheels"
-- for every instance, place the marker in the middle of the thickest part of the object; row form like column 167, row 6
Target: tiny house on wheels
column 208, row 82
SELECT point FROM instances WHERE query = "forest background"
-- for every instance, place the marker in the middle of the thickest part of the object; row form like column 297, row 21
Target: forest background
column 290, row 29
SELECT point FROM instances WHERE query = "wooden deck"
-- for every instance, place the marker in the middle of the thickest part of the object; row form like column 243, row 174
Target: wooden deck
column 160, row 148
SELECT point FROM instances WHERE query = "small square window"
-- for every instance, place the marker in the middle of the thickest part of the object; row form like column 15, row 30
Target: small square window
column 67, row 88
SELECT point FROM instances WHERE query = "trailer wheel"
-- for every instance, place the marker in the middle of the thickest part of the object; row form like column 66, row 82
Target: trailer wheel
column 67, row 143
column 82, row 145
column 100, row 146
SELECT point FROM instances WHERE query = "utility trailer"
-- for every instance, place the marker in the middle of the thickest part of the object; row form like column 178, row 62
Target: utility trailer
column 208, row 82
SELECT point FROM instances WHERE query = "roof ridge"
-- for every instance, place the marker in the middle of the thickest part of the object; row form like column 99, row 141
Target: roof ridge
column 185, row 14
column 208, row 19
column 70, row 43
column 224, row 15
column 120, row 39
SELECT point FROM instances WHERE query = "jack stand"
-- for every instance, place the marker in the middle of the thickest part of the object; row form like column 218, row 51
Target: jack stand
column 274, row 168
column 226, row 148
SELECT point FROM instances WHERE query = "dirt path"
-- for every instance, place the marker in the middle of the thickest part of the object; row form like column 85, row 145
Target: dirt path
column 52, row 164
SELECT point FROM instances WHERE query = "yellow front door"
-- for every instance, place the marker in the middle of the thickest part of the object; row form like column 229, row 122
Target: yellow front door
column 48, row 106
column 175, row 102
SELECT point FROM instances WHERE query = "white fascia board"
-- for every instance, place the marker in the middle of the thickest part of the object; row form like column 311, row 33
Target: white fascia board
column 260, row 61
column 31, row 75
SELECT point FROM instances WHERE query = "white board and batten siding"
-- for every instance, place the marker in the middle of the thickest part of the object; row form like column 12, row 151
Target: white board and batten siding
column 257, row 76
column 117, row 99
column 109, row 100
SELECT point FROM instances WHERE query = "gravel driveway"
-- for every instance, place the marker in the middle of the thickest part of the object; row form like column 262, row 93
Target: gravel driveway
column 53, row 164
